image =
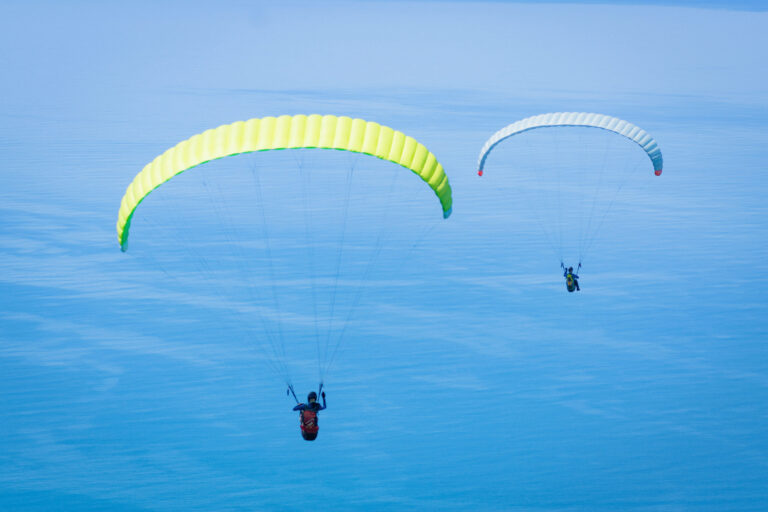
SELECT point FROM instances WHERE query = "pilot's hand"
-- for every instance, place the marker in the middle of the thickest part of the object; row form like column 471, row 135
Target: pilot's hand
column 323, row 395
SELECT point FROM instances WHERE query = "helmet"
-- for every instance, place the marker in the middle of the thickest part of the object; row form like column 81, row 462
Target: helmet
column 312, row 396
column 570, row 269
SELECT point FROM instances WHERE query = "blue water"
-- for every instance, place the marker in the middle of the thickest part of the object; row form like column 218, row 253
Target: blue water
column 470, row 380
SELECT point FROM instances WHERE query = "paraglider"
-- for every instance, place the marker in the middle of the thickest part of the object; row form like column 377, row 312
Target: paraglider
column 296, row 286
column 567, row 178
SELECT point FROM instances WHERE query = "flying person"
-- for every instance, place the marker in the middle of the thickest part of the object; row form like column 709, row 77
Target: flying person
column 308, row 416
column 571, row 279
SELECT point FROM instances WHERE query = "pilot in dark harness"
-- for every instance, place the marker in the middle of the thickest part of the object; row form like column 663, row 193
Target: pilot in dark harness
column 571, row 279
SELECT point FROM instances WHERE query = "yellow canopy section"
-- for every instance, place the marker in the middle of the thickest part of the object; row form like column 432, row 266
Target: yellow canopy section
column 285, row 132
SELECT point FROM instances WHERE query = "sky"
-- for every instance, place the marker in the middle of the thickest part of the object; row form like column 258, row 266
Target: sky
column 467, row 377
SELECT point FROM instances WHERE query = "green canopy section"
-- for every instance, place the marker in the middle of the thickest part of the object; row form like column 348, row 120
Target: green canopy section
column 285, row 132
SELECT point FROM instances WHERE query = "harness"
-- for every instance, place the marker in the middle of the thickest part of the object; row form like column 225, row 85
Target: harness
column 570, row 282
column 308, row 419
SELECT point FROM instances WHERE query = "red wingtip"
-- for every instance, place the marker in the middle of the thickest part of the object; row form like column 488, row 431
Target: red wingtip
column 658, row 173
column 480, row 172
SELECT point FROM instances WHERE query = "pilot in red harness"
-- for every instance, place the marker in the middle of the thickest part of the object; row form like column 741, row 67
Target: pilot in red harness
column 308, row 415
